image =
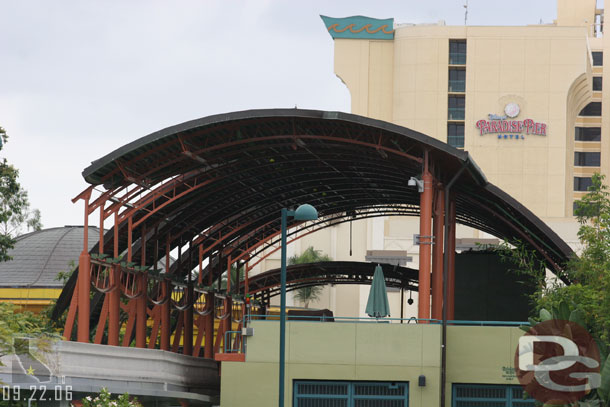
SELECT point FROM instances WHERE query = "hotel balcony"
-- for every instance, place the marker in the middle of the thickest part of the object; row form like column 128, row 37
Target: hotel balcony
column 456, row 113
column 457, row 86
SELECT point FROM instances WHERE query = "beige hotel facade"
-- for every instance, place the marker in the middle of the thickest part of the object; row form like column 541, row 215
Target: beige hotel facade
column 527, row 102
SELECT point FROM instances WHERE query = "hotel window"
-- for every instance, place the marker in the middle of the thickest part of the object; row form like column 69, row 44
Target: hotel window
column 587, row 133
column 597, row 83
column 598, row 58
column 455, row 135
column 457, row 80
column 457, row 52
column 582, row 183
column 592, row 109
column 456, row 107
column 587, row 159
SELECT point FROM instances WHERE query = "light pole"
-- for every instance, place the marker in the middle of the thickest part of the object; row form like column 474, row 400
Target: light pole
column 303, row 212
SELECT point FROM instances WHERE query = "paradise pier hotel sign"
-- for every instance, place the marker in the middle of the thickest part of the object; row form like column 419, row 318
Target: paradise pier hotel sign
column 508, row 129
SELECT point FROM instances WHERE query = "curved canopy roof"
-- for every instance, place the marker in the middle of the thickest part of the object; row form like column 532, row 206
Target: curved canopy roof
column 220, row 182
column 250, row 164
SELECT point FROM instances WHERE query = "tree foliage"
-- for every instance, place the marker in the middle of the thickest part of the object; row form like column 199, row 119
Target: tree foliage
column 22, row 323
column 310, row 293
column 586, row 299
column 588, row 273
column 15, row 212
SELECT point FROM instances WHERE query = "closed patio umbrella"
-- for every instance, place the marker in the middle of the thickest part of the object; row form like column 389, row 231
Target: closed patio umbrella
column 377, row 305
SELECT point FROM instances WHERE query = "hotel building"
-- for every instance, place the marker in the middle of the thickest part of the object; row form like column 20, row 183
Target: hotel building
column 527, row 102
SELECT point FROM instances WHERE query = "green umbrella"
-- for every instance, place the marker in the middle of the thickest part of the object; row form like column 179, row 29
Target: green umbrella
column 377, row 306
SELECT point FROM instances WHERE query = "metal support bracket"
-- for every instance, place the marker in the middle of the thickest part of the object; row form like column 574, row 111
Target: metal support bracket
column 417, row 240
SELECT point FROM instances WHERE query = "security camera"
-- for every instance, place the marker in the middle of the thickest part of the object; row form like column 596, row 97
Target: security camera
column 416, row 182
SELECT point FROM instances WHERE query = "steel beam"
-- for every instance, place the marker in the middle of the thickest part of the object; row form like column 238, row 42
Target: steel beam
column 84, row 280
column 425, row 239
column 437, row 254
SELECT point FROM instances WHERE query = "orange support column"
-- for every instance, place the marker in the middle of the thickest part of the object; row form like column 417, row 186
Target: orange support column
column 84, row 283
column 187, row 342
column 141, row 307
column 437, row 255
column 115, row 294
column 208, row 349
column 425, row 239
column 451, row 265
column 165, row 310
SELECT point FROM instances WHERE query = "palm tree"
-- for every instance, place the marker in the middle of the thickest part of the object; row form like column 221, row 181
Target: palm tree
column 311, row 293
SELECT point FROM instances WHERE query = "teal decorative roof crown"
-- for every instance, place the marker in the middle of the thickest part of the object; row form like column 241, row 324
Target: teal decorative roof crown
column 360, row 27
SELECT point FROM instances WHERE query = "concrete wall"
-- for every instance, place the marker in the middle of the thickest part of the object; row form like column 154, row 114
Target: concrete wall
column 579, row 13
column 156, row 377
column 368, row 351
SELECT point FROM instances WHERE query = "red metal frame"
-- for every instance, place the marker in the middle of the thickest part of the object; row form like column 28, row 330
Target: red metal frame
column 437, row 253
column 146, row 201
column 425, row 242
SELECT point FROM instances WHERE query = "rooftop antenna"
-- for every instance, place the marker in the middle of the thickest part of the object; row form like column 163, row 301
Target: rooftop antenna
column 466, row 13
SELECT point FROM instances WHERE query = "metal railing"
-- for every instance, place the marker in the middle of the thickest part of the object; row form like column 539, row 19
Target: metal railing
column 456, row 141
column 232, row 338
column 457, row 85
column 370, row 320
column 457, row 58
column 234, row 342
column 456, row 113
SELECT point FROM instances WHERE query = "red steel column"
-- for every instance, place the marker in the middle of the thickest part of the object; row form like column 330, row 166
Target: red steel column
column 229, row 275
column 165, row 310
column 187, row 344
column 208, row 349
column 227, row 324
column 246, row 277
column 84, row 282
column 451, row 276
column 425, row 231
column 115, row 294
column 141, row 308
column 437, row 255
column 200, row 274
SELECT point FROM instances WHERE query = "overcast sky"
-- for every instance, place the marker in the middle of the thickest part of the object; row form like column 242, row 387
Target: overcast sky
column 79, row 79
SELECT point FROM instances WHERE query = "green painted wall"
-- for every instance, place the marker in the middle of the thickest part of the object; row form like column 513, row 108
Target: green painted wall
column 368, row 351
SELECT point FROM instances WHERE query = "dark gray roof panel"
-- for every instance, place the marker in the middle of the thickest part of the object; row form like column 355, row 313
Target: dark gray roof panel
column 39, row 256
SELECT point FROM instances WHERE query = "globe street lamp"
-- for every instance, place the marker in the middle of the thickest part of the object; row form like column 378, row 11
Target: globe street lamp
column 303, row 212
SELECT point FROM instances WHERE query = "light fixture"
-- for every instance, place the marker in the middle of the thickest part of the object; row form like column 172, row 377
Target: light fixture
column 303, row 212
column 421, row 381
